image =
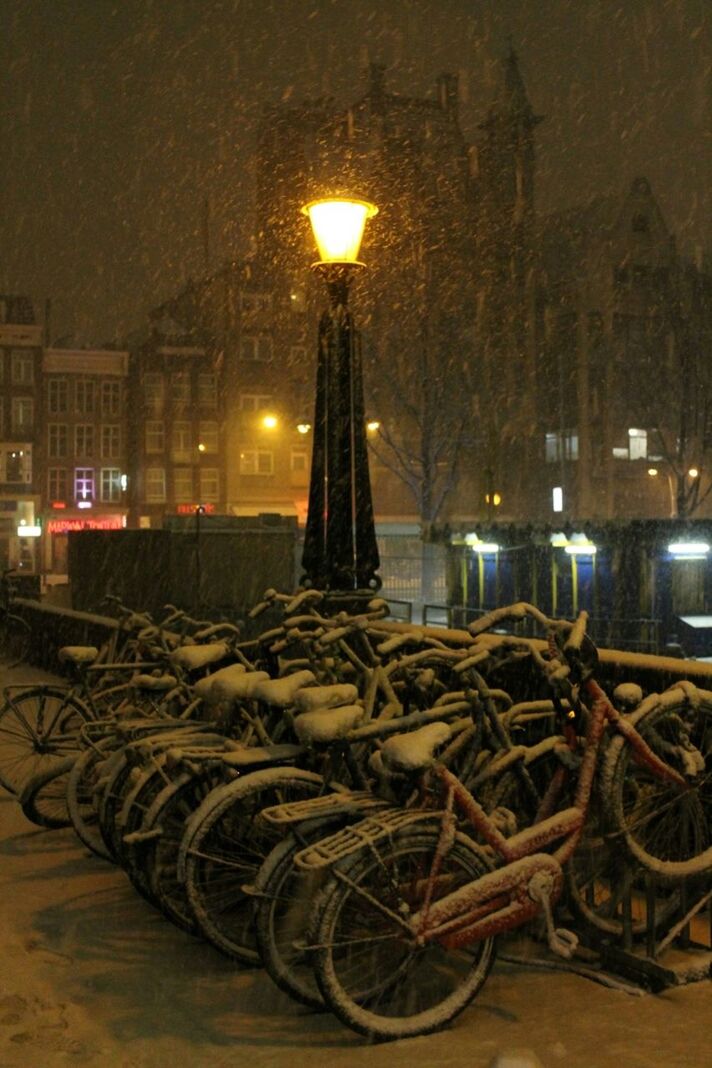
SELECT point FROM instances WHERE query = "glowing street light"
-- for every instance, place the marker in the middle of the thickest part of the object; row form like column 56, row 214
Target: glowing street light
column 340, row 550
column 303, row 428
column 269, row 422
column 338, row 226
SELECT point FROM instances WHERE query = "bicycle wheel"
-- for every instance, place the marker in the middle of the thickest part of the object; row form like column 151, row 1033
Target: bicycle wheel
column 284, row 899
column 39, row 727
column 667, row 828
column 170, row 812
column 371, row 972
column 81, row 799
column 44, row 798
column 225, row 846
column 111, row 794
column 606, row 887
column 15, row 640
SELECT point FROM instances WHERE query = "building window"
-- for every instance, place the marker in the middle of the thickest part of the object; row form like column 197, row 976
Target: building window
column 563, row 445
column 183, row 483
column 207, row 390
column 256, row 347
column 17, row 462
column 637, row 444
column 180, row 389
column 84, row 396
column 208, row 435
column 298, row 299
column 110, row 398
column 22, row 368
column 57, row 440
column 155, row 485
column 84, row 440
column 83, row 484
column 110, row 485
column 153, row 391
column 255, row 402
column 255, row 302
column 57, row 396
column 181, row 441
column 299, row 460
column 110, row 441
column 256, row 462
column 57, row 483
column 155, row 437
column 209, row 484
column 22, row 414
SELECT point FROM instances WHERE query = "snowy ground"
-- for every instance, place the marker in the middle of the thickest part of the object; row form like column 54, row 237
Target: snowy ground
column 91, row 976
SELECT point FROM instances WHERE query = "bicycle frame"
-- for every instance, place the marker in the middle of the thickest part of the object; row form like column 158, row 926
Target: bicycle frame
column 530, row 880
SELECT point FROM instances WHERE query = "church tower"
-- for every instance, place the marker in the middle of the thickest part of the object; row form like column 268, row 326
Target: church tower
column 505, row 180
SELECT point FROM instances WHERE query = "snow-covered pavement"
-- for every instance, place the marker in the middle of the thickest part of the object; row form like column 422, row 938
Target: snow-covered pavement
column 92, row 976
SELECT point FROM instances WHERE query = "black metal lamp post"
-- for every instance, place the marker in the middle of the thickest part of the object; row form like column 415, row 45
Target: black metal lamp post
column 340, row 550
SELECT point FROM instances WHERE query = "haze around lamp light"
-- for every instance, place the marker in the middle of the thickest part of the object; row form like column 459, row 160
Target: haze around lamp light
column 338, row 224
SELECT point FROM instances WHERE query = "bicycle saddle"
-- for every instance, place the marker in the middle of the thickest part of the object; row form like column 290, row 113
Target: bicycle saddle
column 409, row 752
column 281, row 692
column 233, row 685
column 78, row 654
column 313, row 697
column 325, row 725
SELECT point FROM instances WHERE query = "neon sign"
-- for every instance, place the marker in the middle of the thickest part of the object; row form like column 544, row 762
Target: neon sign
column 189, row 509
column 100, row 522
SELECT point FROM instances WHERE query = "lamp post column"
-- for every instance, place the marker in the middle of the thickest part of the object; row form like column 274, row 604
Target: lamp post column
column 340, row 549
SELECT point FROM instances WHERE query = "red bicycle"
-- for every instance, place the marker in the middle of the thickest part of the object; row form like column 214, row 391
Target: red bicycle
column 403, row 932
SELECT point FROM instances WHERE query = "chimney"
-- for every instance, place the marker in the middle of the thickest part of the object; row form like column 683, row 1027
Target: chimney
column 447, row 85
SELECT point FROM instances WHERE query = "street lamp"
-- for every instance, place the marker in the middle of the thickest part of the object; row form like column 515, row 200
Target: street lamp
column 340, row 550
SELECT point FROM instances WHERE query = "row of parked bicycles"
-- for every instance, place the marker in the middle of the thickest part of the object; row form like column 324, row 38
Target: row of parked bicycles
column 362, row 806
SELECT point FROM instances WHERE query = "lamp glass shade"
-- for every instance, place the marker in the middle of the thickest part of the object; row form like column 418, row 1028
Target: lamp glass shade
column 338, row 226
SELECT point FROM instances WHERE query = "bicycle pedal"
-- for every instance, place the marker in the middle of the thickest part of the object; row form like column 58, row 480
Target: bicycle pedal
column 563, row 942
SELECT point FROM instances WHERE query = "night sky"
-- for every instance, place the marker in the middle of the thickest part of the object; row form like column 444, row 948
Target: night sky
column 118, row 118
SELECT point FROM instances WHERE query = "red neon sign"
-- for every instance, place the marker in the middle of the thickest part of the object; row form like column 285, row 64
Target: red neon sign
column 59, row 504
column 189, row 509
column 102, row 522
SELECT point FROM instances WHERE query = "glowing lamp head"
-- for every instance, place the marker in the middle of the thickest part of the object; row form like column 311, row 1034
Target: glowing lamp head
column 338, row 224
column 269, row 422
column 373, row 425
column 303, row 428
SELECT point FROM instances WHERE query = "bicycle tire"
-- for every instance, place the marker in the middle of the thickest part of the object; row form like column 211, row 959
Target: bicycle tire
column 170, row 812
column 601, row 874
column 667, row 829
column 224, row 847
column 81, row 799
column 39, row 727
column 44, row 798
column 15, row 640
column 284, row 896
column 370, row 971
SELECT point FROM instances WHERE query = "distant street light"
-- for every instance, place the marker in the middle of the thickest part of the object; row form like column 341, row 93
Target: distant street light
column 340, row 550
column 303, row 428
column 269, row 422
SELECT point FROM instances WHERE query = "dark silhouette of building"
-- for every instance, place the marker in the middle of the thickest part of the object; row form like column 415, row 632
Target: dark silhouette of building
column 520, row 367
